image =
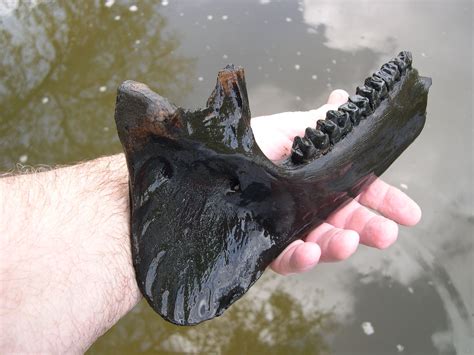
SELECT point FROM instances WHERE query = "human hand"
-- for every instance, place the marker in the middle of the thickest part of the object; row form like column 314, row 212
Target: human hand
column 339, row 236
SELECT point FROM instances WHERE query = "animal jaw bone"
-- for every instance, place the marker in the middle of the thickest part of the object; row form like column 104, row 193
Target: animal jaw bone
column 209, row 211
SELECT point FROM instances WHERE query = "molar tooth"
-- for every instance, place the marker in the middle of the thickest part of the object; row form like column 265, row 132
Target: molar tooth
column 309, row 150
column 378, row 85
column 352, row 111
column 333, row 115
column 389, row 79
column 406, row 57
column 362, row 103
column 319, row 139
column 402, row 66
column 310, row 133
column 345, row 123
column 342, row 119
column 331, row 129
column 370, row 93
column 391, row 69
column 302, row 150
column 297, row 155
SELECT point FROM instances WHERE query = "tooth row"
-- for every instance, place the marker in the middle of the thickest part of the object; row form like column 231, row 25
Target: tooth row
column 338, row 124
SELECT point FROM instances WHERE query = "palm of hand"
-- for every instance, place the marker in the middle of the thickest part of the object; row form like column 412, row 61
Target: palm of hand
column 355, row 223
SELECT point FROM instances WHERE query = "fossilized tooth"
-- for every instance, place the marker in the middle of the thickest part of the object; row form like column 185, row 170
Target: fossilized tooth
column 369, row 93
column 341, row 119
column 391, row 69
column 331, row 129
column 319, row 139
column 209, row 212
column 378, row 85
column 362, row 104
column 352, row 111
column 303, row 150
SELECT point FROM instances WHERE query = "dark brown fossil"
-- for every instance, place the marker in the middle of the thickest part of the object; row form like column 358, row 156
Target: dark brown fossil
column 209, row 211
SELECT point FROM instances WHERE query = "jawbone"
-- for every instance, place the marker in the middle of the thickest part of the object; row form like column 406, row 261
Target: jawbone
column 209, row 212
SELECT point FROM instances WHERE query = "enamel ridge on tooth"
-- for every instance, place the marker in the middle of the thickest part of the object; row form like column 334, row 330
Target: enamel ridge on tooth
column 333, row 115
column 402, row 66
column 369, row 93
column 352, row 111
column 309, row 150
column 388, row 78
column 378, row 85
column 406, row 57
column 362, row 103
column 391, row 69
column 297, row 155
column 340, row 118
column 310, row 136
column 302, row 150
column 331, row 129
column 319, row 139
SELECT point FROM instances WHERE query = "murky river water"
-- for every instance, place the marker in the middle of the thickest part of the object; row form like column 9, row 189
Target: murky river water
column 60, row 64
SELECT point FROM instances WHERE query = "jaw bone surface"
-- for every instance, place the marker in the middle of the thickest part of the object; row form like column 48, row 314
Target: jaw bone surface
column 209, row 212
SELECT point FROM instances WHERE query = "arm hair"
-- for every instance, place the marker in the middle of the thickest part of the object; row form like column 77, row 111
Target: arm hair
column 65, row 261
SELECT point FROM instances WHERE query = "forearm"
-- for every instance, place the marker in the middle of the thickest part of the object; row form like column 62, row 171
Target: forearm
column 65, row 266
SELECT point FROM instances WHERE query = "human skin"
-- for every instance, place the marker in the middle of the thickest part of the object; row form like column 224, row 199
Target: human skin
column 66, row 275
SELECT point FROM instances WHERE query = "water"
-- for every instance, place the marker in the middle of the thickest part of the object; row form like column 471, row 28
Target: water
column 60, row 65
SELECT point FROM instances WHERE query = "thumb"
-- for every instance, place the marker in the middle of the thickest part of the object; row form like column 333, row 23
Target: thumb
column 338, row 97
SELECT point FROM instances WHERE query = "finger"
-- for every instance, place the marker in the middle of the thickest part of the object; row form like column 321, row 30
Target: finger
column 299, row 256
column 292, row 124
column 300, row 120
column 374, row 230
column 391, row 202
column 276, row 142
column 336, row 244
column 296, row 126
column 338, row 97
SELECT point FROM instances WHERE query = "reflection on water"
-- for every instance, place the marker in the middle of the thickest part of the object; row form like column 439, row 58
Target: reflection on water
column 61, row 63
column 274, row 324
column 394, row 320
column 60, row 66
